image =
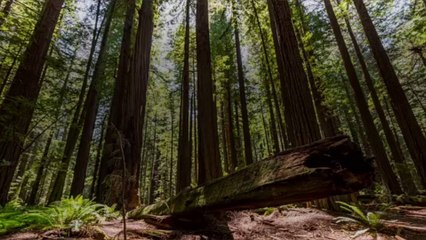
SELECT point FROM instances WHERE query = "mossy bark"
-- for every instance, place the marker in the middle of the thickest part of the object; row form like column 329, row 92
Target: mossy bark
column 326, row 168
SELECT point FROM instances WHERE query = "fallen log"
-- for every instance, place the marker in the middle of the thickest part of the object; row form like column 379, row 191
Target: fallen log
column 325, row 168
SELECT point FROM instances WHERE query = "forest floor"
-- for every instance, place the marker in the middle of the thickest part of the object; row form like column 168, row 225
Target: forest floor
column 403, row 222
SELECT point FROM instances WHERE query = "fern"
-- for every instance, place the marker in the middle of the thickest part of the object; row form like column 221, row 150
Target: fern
column 63, row 213
column 68, row 214
column 371, row 220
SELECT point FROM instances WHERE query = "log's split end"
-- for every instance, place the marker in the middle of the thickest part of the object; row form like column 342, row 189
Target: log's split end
column 329, row 167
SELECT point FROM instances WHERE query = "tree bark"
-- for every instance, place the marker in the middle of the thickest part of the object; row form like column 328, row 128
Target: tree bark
column 208, row 143
column 265, row 126
column 152, row 179
column 326, row 117
column 133, row 107
column 18, row 107
column 330, row 167
column 232, row 151
column 224, row 138
column 302, row 126
column 172, row 145
column 183, row 176
column 98, row 159
column 107, row 161
column 281, row 72
column 407, row 181
column 410, row 128
column 194, row 120
column 388, row 176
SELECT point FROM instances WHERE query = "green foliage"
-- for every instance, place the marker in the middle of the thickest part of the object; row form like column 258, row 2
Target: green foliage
column 12, row 217
column 371, row 221
column 68, row 214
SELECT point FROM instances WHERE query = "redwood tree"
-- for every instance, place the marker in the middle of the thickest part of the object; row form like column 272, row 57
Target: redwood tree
column 397, row 155
column 126, row 151
column 91, row 108
column 208, row 142
column 410, row 128
column 183, row 174
column 386, row 172
column 107, row 161
column 302, row 126
column 17, row 109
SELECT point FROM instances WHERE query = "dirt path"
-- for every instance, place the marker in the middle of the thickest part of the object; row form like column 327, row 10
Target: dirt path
column 291, row 224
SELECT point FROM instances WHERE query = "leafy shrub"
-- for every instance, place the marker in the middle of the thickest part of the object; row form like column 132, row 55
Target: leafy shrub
column 68, row 214
column 371, row 220
column 11, row 217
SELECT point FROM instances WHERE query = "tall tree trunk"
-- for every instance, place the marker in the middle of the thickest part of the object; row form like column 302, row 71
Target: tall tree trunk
column 191, row 136
column 208, row 147
column 270, row 83
column 183, row 176
column 224, row 138
column 248, row 152
column 132, row 129
column 326, row 117
column 107, row 161
column 281, row 126
column 40, row 171
column 152, row 179
column 145, row 163
column 194, row 120
column 44, row 162
column 97, row 159
column 410, row 128
column 22, row 167
column 272, row 122
column 9, row 71
column 265, row 126
column 359, row 126
column 172, row 146
column 351, row 126
column 281, row 73
column 23, row 94
column 232, row 151
column 127, row 138
column 91, row 108
column 302, row 126
column 385, row 169
column 76, row 123
column 238, row 143
column 401, row 167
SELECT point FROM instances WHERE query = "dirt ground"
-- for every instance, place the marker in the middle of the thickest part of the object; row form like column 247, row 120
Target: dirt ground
column 292, row 224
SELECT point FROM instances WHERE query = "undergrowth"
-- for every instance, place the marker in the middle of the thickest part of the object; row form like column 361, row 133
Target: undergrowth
column 370, row 221
column 71, row 215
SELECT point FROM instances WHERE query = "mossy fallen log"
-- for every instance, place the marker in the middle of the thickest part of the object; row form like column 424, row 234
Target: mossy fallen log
column 329, row 167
